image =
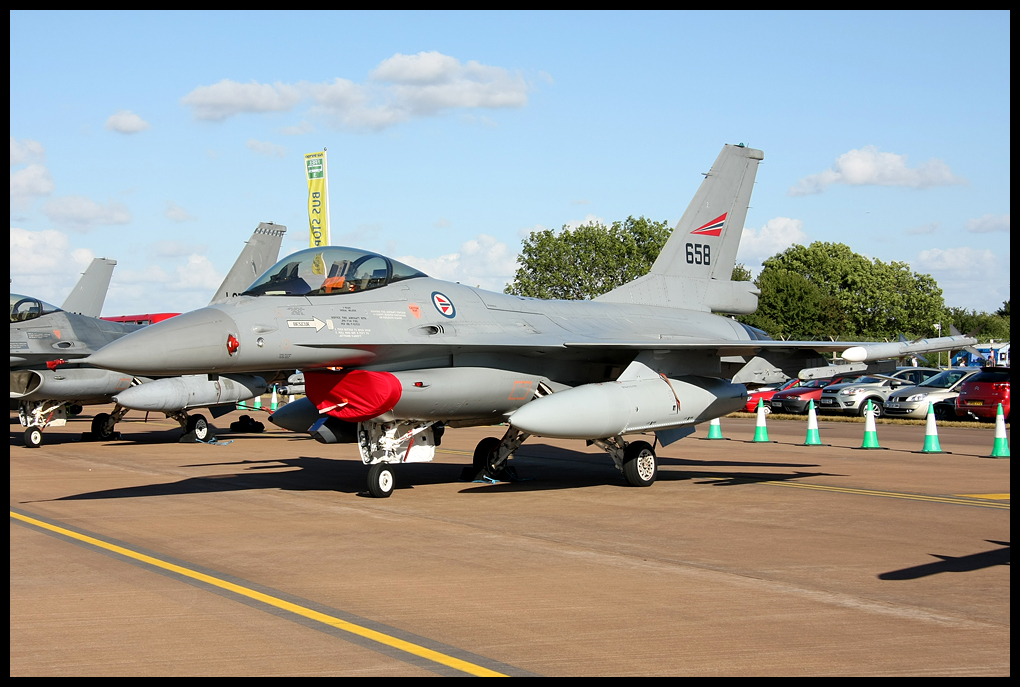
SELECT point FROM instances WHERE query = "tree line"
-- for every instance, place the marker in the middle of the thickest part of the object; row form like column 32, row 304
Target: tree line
column 815, row 292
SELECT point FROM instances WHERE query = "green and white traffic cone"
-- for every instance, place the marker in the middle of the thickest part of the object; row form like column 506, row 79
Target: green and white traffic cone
column 931, row 433
column 290, row 399
column 258, row 403
column 761, row 433
column 274, row 402
column 715, row 429
column 870, row 433
column 813, row 439
column 1001, row 447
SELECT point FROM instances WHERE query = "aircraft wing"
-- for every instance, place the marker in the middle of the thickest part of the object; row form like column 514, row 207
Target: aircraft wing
column 853, row 351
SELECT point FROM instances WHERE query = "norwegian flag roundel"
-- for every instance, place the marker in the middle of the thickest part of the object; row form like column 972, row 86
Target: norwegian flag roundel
column 443, row 304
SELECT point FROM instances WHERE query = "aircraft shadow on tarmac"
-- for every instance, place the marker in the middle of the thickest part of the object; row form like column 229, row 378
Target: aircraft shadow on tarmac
column 975, row 561
column 546, row 468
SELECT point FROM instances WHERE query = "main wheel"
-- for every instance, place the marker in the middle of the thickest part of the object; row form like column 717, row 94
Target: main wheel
column 639, row 464
column 380, row 480
column 101, row 428
column 33, row 437
column 200, row 426
column 485, row 454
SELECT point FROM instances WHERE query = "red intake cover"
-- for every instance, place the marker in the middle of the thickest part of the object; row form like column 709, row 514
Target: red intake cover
column 352, row 395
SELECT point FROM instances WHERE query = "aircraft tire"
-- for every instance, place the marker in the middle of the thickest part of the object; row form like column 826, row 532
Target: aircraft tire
column 33, row 437
column 380, row 480
column 640, row 466
column 99, row 429
column 200, row 426
column 484, row 453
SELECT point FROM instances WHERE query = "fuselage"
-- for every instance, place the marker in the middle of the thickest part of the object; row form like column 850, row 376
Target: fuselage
column 411, row 324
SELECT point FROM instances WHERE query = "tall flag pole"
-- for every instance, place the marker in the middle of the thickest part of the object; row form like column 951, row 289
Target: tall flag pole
column 318, row 199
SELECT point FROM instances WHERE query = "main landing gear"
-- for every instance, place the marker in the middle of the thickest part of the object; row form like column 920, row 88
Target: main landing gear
column 635, row 459
column 194, row 427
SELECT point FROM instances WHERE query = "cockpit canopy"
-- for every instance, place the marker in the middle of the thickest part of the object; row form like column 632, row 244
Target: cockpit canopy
column 330, row 270
column 24, row 308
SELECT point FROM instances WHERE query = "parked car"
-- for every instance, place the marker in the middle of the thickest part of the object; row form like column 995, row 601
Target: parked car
column 766, row 393
column 796, row 398
column 942, row 390
column 852, row 398
column 981, row 394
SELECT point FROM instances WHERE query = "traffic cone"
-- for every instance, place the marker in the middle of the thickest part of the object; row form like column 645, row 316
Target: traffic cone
column 761, row 433
column 812, row 427
column 715, row 429
column 931, row 433
column 290, row 399
column 1001, row 447
column 258, row 403
column 870, row 433
column 274, row 402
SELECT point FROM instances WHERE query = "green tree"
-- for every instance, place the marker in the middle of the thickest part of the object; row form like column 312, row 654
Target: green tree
column 988, row 326
column 866, row 298
column 588, row 261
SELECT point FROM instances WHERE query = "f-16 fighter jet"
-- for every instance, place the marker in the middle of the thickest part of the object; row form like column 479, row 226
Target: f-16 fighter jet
column 49, row 344
column 391, row 356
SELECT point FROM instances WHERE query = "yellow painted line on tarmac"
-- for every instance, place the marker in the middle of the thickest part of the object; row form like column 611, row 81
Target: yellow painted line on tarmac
column 982, row 501
column 332, row 621
column 993, row 497
column 459, row 453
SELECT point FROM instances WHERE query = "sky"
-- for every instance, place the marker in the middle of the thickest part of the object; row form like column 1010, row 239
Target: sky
column 162, row 139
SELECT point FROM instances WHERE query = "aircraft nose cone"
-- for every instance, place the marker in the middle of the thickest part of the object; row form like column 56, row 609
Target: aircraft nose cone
column 197, row 342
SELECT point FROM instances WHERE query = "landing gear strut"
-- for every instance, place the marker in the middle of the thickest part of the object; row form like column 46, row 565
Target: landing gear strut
column 491, row 454
column 384, row 444
column 636, row 460
column 194, row 427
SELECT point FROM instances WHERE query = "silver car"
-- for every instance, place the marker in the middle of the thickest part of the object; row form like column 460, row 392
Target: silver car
column 943, row 388
column 852, row 398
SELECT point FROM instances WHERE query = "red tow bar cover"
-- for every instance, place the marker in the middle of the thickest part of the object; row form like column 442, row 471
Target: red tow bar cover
column 352, row 395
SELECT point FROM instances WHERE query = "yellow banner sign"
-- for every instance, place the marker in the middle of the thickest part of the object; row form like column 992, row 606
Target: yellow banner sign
column 318, row 224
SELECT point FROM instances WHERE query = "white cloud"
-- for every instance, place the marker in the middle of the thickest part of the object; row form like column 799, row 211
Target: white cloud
column 869, row 166
column 176, row 212
column 44, row 265
column 26, row 151
column 126, row 122
column 973, row 278
column 266, row 148
column 483, row 261
column 81, row 213
column 29, row 183
column 400, row 88
column 32, row 181
column 988, row 223
column 441, row 223
column 778, row 234
column 588, row 219
column 228, row 98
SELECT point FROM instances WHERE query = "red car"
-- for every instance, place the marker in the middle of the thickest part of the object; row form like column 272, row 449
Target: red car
column 796, row 398
column 981, row 394
column 765, row 393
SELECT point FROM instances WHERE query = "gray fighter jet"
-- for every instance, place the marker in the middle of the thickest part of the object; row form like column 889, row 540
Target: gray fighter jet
column 48, row 344
column 391, row 356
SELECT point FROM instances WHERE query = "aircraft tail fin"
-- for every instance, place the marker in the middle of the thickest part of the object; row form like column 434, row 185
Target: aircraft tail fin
column 89, row 294
column 259, row 254
column 695, row 266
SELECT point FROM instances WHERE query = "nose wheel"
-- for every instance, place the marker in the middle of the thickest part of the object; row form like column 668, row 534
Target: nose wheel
column 380, row 480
